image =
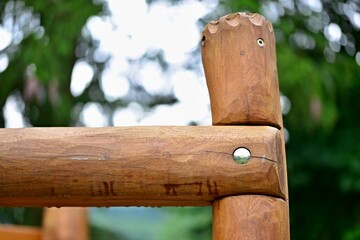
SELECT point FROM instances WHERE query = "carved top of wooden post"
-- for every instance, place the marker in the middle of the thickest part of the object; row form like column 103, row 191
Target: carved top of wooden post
column 238, row 53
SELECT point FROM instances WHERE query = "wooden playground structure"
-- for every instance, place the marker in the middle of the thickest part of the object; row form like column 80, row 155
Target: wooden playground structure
column 238, row 165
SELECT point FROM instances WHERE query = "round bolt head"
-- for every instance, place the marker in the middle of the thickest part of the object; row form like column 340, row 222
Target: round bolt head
column 261, row 42
column 241, row 155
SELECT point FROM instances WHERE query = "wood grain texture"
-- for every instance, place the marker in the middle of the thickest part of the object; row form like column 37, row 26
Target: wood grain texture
column 68, row 223
column 241, row 74
column 12, row 232
column 250, row 217
column 135, row 166
column 239, row 58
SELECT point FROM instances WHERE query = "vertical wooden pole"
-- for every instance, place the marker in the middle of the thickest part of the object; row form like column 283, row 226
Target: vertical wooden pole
column 250, row 217
column 66, row 223
column 239, row 57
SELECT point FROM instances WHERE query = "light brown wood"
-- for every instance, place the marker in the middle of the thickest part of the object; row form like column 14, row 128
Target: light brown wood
column 282, row 159
column 15, row 232
column 67, row 223
column 250, row 217
column 127, row 166
column 239, row 58
column 238, row 53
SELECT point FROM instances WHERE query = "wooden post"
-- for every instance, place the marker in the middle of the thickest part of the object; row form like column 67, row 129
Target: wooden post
column 250, row 217
column 239, row 58
column 174, row 166
column 68, row 223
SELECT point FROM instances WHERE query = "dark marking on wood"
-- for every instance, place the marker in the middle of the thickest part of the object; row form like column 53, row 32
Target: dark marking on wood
column 200, row 188
column 210, row 190
column 75, row 180
column 53, row 192
column 209, row 187
column 112, row 188
column 106, row 189
column 216, row 189
column 99, row 191
column 170, row 189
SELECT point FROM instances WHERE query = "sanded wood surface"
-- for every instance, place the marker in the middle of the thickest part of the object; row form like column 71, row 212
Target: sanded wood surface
column 238, row 53
column 250, row 217
column 15, row 232
column 67, row 223
column 239, row 58
column 136, row 166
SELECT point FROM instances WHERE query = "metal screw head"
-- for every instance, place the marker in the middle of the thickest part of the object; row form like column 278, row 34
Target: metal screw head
column 261, row 42
column 241, row 155
column 203, row 41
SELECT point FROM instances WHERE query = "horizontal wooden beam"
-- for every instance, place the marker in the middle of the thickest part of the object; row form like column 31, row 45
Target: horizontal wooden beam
column 15, row 232
column 137, row 166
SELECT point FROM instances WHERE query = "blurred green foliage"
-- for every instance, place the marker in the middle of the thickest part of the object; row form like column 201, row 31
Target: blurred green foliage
column 319, row 75
column 42, row 58
column 187, row 223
